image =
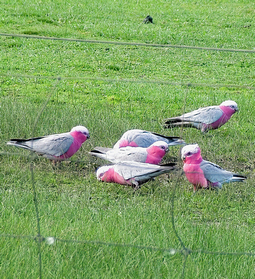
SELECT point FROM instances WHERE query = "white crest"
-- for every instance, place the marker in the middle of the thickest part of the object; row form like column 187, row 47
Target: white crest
column 101, row 171
column 230, row 103
column 81, row 129
column 160, row 143
column 189, row 149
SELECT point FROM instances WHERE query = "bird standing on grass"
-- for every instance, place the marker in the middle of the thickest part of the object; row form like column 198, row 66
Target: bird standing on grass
column 131, row 173
column 148, row 19
column 206, row 118
column 142, row 138
column 57, row 147
column 152, row 154
column 204, row 174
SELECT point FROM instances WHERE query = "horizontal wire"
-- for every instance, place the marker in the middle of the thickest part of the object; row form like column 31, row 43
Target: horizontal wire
column 133, row 81
column 124, row 245
column 125, row 43
column 172, row 251
column 223, row 253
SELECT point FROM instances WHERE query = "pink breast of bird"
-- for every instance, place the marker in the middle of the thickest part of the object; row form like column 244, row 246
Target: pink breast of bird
column 79, row 139
column 227, row 113
column 112, row 176
column 195, row 175
column 155, row 155
column 124, row 143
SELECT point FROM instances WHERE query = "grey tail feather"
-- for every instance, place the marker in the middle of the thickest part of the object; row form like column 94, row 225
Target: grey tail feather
column 170, row 124
column 169, row 138
column 100, row 150
column 168, row 165
column 18, row 144
column 238, row 177
column 21, row 140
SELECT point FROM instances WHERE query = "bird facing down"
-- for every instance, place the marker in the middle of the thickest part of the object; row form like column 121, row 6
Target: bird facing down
column 131, row 173
column 148, row 19
column 151, row 155
column 204, row 174
column 57, row 147
column 204, row 119
column 142, row 138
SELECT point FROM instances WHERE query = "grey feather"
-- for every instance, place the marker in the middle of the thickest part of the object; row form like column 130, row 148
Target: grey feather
column 215, row 173
column 53, row 145
column 207, row 115
column 137, row 154
column 141, row 172
column 145, row 138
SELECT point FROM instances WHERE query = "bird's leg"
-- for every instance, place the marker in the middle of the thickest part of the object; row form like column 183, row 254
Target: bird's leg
column 135, row 185
column 194, row 189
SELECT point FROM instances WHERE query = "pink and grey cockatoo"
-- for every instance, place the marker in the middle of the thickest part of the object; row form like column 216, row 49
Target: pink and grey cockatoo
column 57, row 147
column 204, row 174
column 142, row 138
column 131, row 173
column 152, row 154
column 204, row 119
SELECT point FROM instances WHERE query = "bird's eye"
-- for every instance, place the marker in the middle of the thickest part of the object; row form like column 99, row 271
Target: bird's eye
column 189, row 153
column 163, row 147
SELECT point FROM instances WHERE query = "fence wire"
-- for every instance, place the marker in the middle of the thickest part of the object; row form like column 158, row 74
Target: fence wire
column 125, row 43
column 185, row 251
column 141, row 81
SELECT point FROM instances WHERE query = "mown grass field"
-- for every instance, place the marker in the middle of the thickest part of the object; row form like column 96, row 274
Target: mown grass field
column 109, row 89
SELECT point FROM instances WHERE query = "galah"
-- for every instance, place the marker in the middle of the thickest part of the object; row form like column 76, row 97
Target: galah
column 204, row 119
column 57, row 147
column 152, row 154
column 142, row 138
column 131, row 173
column 202, row 173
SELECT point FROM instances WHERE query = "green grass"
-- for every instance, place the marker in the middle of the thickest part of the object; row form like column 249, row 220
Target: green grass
column 96, row 90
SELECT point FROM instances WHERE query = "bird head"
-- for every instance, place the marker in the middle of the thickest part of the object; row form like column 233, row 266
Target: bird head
column 190, row 152
column 230, row 104
column 82, row 130
column 101, row 171
column 161, row 144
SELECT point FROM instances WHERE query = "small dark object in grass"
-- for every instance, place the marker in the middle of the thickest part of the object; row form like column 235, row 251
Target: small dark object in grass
column 148, row 19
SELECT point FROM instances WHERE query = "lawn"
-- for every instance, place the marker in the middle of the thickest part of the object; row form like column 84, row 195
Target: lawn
column 103, row 230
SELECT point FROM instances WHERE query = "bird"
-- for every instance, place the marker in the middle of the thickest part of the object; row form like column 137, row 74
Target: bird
column 131, row 173
column 152, row 154
column 142, row 138
column 202, row 173
column 56, row 147
column 148, row 19
column 206, row 118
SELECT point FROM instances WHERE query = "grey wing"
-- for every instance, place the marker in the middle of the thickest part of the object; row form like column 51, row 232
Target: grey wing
column 140, row 137
column 136, row 154
column 207, row 115
column 215, row 173
column 129, row 135
column 141, row 172
column 144, row 138
column 54, row 145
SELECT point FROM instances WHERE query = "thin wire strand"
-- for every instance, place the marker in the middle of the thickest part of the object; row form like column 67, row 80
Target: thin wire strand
column 172, row 251
column 33, row 182
column 125, row 43
column 133, row 81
